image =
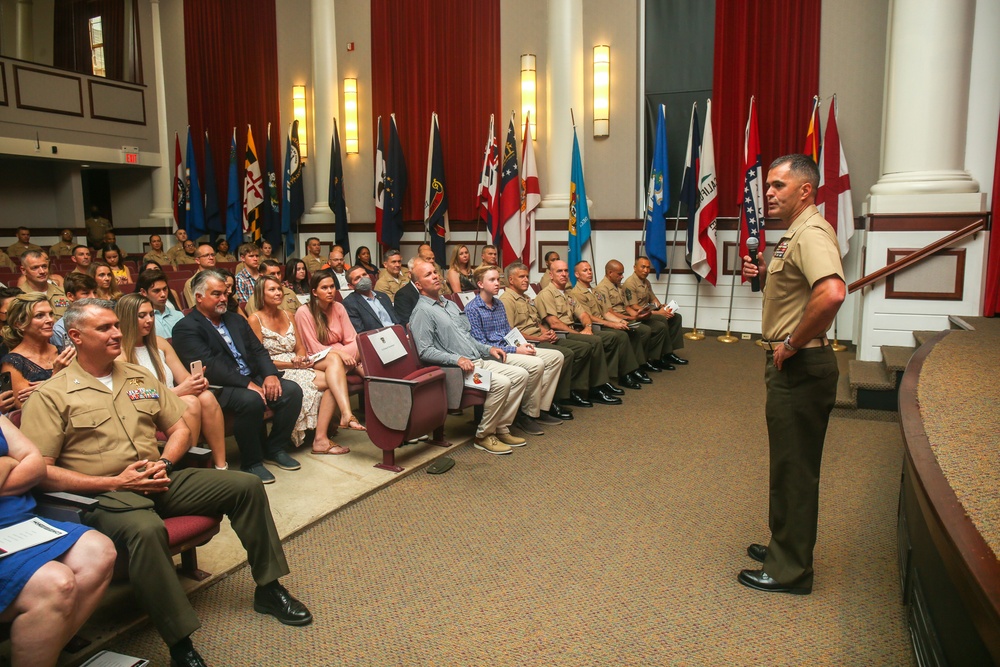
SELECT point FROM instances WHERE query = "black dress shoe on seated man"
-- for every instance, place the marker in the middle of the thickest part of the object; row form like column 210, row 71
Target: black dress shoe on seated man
column 666, row 365
column 609, row 388
column 274, row 599
column 183, row 654
column 758, row 552
column 629, row 382
column 560, row 412
column 640, row 376
column 650, row 367
column 674, row 359
column 598, row 395
column 759, row 581
column 575, row 399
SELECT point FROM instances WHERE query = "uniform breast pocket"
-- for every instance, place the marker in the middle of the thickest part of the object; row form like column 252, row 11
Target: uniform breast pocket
column 89, row 419
column 777, row 285
column 148, row 412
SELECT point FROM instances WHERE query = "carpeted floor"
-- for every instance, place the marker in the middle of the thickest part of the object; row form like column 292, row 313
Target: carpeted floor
column 614, row 539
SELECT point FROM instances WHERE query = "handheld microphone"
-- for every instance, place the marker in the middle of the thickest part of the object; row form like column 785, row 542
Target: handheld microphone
column 752, row 244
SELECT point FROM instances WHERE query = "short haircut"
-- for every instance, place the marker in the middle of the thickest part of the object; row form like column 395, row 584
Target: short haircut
column 549, row 254
column 480, row 273
column 24, row 228
column 33, row 254
column 202, row 277
column 800, row 165
column 270, row 263
column 354, row 269
column 641, row 257
column 410, row 262
column 156, row 235
column 78, row 309
column 390, row 253
column 248, row 248
column 79, row 247
column 577, row 265
column 512, row 267
column 208, row 245
column 79, row 282
column 311, row 239
column 148, row 278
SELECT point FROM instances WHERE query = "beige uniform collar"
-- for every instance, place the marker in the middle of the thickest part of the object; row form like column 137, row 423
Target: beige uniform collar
column 77, row 379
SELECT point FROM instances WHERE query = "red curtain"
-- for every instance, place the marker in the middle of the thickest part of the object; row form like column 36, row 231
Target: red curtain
column 992, row 303
column 232, row 80
column 769, row 49
column 438, row 56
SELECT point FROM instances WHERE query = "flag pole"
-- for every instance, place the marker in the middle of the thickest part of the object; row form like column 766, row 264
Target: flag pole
column 694, row 334
column 728, row 337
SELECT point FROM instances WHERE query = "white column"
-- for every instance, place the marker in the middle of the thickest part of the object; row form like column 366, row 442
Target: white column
column 563, row 91
column 161, row 177
column 927, row 98
column 24, row 39
column 325, row 94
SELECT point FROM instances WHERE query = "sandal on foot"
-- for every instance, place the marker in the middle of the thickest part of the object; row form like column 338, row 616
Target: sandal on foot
column 353, row 424
column 331, row 450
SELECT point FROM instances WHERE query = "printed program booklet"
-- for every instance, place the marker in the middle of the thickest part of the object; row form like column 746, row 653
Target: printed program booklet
column 27, row 534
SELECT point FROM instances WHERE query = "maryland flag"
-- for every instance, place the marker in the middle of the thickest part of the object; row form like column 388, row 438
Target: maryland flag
column 253, row 191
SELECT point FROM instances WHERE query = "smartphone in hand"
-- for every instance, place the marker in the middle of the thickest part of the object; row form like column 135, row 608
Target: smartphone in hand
column 196, row 367
column 5, row 382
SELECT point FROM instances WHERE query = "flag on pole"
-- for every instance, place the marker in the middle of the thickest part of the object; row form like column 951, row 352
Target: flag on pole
column 213, row 216
column 436, row 196
column 488, row 201
column 295, row 202
column 379, row 192
column 234, row 216
column 271, row 210
column 395, row 189
column 253, row 191
column 579, row 212
column 658, row 197
column 833, row 197
column 180, row 185
column 704, row 256
column 531, row 193
column 195, row 216
column 752, row 204
column 509, row 206
column 812, row 147
column 335, row 196
column 689, row 193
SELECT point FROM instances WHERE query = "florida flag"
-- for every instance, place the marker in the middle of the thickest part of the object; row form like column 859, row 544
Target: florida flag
column 531, row 194
column 704, row 257
column 833, row 197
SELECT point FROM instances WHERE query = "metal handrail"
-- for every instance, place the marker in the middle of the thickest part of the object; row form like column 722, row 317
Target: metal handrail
column 916, row 256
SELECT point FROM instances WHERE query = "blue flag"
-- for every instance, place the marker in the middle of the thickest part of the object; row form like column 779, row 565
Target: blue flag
column 335, row 197
column 579, row 213
column 195, row 217
column 213, row 216
column 234, row 202
column 658, row 198
column 294, row 196
column 690, row 191
column 395, row 189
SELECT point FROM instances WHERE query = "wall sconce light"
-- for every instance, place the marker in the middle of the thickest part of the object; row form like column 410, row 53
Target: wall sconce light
column 351, row 116
column 528, row 92
column 299, row 114
column 602, row 90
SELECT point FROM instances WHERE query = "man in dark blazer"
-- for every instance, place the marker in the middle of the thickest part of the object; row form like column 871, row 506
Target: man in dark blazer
column 236, row 361
column 367, row 308
column 406, row 298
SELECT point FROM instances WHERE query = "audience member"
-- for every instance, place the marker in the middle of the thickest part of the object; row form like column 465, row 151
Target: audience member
column 489, row 325
column 363, row 257
column 289, row 300
column 141, row 345
column 550, row 257
column 639, row 295
column 7, row 295
column 178, row 249
column 112, row 256
column 234, row 359
column 222, row 253
column 337, row 267
column 393, row 275
column 441, row 335
column 5, row 261
column 32, row 358
column 614, row 298
column 156, row 253
column 296, row 276
column 367, row 308
column 266, row 250
column 52, row 278
column 312, row 259
column 407, row 295
column 188, row 253
column 111, row 239
column 49, row 590
column 323, row 391
column 64, row 248
column 107, row 286
column 490, row 257
column 323, row 323
column 232, row 306
column 82, row 256
column 97, row 227
column 78, row 286
column 35, row 270
column 204, row 257
column 460, row 270
column 247, row 278
column 23, row 244
column 118, row 462
column 154, row 286
column 426, row 253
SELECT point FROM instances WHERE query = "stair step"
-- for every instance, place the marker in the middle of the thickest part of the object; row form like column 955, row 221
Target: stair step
column 870, row 375
column 923, row 336
column 896, row 357
column 847, row 397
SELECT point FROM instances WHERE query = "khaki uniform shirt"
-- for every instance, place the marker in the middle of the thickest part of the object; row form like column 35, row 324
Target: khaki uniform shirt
column 184, row 258
column 637, row 292
column 76, row 420
column 552, row 301
column 313, row 264
column 6, row 261
column 162, row 258
column 545, row 281
column 61, row 249
column 56, row 296
column 289, row 303
column 224, row 257
column 17, row 248
column 390, row 285
column 614, row 297
column 175, row 253
column 807, row 252
column 593, row 302
column 96, row 229
column 522, row 313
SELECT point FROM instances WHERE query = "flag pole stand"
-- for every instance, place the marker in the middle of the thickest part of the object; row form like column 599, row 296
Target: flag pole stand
column 729, row 338
column 836, row 345
column 694, row 334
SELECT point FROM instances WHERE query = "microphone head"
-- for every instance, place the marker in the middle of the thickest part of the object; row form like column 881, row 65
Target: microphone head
column 752, row 244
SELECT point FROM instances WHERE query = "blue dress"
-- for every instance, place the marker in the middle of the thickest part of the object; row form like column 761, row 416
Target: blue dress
column 18, row 568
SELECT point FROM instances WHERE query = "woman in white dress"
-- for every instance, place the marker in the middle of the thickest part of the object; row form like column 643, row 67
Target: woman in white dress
column 322, row 391
column 141, row 345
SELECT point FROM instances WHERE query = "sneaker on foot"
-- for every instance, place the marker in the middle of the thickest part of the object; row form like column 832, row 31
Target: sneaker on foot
column 510, row 439
column 527, row 424
column 490, row 444
column 265, row 475
column 282, row 460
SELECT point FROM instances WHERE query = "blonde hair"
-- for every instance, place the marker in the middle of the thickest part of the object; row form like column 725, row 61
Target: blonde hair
column 258, row 289
column 127, row 310
column 20, row 310
column 113, row 293
column 453, row 262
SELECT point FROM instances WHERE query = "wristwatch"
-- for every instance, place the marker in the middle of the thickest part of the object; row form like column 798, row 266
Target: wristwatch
column 168, row 465
column 788, row 344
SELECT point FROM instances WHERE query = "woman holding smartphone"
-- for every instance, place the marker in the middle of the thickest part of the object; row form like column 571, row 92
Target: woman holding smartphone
column 141, row 345
column 32, row 358
column 323, row 390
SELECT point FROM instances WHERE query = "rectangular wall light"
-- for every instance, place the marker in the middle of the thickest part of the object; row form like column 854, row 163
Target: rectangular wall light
column 299, row 114
column 528, row 92
column 602, row 90
column 351, row 116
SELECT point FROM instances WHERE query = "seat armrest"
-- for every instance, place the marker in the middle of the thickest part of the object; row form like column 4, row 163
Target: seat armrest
column 67, row 498
column 63, row 506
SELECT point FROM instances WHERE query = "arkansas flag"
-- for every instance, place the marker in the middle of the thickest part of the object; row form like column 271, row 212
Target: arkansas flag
column 752, row 204
column 488, row 201
column 704, row 257
column 510, row 197
column 833, row 197
column 812, row 147
column 531, row 193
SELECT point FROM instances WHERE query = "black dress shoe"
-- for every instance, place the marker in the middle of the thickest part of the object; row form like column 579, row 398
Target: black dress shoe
column 559, row 412
column 274, row 599
column 609, row 388
column 758, row 552
column 759, row 581
column 666, row 365
column 575, row 399
column 629, row 382
column 601, row 396
column 650, row 367
column 189, row 658
column 674, row 359
column 642, row 377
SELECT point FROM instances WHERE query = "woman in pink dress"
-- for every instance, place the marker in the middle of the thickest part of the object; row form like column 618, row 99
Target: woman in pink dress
column 323, row 324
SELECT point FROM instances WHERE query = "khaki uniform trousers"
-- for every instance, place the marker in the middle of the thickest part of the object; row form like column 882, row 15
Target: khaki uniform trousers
column 507, row 385
column 543, row 377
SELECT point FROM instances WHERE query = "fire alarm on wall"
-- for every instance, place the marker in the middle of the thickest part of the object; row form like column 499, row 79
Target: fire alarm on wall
column 350, row 46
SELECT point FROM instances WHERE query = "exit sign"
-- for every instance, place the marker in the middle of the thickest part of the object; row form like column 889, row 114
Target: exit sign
column 130, row 154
